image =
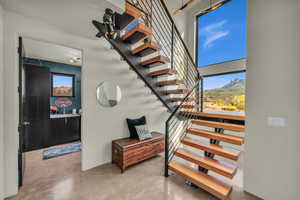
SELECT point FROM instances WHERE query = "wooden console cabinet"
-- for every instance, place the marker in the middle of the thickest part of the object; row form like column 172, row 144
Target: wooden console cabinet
column 127, row 151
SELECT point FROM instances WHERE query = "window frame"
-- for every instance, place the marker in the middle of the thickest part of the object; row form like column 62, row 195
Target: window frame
column 219, row 74
column 196, row 46
column 66, row 75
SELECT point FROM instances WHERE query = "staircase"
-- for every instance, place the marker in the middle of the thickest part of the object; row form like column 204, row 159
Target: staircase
column 152, row 46
column 150, row 43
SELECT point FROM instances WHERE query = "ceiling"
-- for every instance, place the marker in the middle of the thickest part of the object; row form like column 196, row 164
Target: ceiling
column 73, row 16
column 51, row 52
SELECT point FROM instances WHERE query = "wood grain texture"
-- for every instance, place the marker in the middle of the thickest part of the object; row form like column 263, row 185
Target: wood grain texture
column 226, row 126
column 218, row 116
column 204, row 181
column 133, row 11
column 148, row 45
column 169, row 82
column 212, row 148
column 177, row 91
column 217, row 136
column 181, row 99
column 127, row 151
column 162, row 72
column 219, row 167
column 141, row 28
column 157, row 59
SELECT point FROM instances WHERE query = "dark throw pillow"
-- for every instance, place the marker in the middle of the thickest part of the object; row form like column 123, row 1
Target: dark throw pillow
column 135, row 122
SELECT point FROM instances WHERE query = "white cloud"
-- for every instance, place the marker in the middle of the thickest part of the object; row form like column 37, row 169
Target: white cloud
column 213, row 33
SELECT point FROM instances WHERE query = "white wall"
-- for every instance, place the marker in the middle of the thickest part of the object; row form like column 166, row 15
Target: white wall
column 99, row 125
column 272, row 161
column 1, row 103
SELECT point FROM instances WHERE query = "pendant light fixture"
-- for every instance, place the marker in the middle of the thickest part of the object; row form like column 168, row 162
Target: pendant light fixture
column 213, row 6
column 179, row 10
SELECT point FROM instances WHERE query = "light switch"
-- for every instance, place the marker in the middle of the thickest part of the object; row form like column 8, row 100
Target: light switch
column 276, row 122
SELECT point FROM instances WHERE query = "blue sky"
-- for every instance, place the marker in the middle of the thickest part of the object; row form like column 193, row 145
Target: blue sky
column 222, row 34
column 221, row 80
column 65, row 81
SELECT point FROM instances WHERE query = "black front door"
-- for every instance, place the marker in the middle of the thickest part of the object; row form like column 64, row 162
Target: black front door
column 36, row 107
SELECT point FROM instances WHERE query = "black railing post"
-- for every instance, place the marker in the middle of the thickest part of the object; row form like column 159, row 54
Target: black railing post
column 201, row 95
column 172, row 47
column 167, row 150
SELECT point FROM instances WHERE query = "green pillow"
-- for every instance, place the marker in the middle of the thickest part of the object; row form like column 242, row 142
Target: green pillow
column 135, row 122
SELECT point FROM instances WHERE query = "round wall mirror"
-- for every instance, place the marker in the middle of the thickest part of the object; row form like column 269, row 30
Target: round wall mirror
column 108, row 94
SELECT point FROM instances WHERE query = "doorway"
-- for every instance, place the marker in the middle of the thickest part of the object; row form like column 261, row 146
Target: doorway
column 49, row 108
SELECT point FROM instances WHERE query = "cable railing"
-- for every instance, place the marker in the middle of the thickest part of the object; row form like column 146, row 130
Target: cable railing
column 165, row 33
column 178, row 122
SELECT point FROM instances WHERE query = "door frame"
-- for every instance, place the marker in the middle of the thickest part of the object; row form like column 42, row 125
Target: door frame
column 21, row 154
column 21, row 162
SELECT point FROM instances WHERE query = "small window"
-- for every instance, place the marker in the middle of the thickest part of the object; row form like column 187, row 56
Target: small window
column 62, row 85
column 224, row 92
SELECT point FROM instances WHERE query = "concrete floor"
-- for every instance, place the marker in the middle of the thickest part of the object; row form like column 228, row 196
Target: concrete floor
column 61, row 178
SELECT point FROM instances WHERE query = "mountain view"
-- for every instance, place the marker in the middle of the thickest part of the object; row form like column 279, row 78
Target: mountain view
column 62, row 91
column 230, row 97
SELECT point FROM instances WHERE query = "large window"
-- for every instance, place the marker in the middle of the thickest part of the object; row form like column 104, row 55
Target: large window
column 224, row 92
column 222, row 34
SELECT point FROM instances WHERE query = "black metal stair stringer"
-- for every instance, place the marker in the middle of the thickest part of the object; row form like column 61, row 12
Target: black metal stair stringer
column 124, row 49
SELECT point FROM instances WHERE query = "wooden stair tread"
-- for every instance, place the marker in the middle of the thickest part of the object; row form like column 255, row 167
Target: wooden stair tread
column 204, row 181
column 146, row 49
column 158, row 60
column 136, row 34
column 217, row 136
column 188, row 106
column 219, row 167
column 219, row 116
column 181, row 99
column 212, row 148
column 162, row 72
column 226, row 126
column 133, row 11
column 169, row 82
column 176, row 91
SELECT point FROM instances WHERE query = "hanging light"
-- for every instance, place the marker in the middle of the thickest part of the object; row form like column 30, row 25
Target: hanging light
column 213, row 7
column 179, row 10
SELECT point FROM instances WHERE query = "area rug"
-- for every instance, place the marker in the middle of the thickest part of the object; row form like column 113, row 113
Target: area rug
column 59, row 151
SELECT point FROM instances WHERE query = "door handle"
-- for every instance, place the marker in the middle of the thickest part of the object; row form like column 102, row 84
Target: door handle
column 26, row 123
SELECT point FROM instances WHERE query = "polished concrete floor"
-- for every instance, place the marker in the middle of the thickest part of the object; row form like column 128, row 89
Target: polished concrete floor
column 61, row 179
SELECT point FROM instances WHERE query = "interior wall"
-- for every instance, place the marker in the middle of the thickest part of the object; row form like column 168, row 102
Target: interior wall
column 1, row 104
column 99, row 125
column 272, row 161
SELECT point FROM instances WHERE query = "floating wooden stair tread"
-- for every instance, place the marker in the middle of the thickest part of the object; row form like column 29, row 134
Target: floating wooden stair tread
column 218, row 116
column 188, row 106
column 177, row 91
column 219, row 167
column 136, row 34
column 158, row 60
column 162, row 72
column 181, row 99
column 170, row 82
column 204, row 181
column 212, row 148
column 146, row 49
column 226, row 126
column 217, row 136
column 133, row 11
